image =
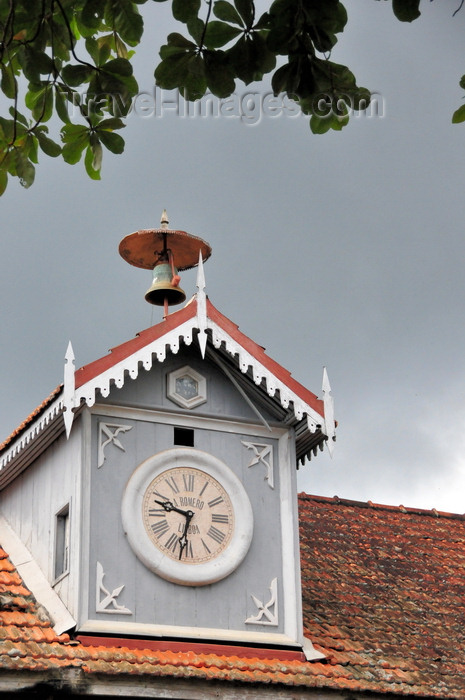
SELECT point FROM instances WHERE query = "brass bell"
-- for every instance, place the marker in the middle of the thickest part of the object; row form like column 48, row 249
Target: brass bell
column 164, row 289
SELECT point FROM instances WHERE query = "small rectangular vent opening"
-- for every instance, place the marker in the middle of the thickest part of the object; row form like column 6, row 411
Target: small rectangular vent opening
column 184, row 437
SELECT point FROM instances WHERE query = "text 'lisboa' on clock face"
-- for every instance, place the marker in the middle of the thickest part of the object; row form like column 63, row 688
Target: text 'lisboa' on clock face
column 188, row 515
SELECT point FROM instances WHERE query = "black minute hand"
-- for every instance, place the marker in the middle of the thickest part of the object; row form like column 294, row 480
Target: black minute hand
column 168, row 506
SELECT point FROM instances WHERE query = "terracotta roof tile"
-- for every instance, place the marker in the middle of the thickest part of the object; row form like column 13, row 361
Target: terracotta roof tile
column 383, row 598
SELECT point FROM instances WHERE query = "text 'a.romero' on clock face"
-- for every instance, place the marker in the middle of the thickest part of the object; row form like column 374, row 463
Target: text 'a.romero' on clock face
column 188, row 515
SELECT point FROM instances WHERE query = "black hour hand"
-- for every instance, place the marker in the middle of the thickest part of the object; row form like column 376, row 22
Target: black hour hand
column 183, row 538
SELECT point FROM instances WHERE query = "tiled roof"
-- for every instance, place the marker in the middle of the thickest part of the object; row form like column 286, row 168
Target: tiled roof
column 383, row 598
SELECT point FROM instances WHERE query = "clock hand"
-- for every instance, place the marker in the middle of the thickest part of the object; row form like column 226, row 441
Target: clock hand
column 168, row 506
column 183, row 539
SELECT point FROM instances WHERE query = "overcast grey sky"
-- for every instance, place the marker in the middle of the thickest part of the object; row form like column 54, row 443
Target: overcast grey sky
column 344, row 250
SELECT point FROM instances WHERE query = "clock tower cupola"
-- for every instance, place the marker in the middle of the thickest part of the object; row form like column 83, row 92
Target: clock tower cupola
column 174, row 511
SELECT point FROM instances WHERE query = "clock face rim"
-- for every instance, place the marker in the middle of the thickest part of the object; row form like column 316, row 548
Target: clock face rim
column 180, row 572
column 159, row 540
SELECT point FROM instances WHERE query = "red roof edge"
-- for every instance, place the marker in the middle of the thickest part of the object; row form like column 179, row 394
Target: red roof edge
column 335, row 500
column 195, row 647
column 259, row 354
column 27, row 421
column 121, row 352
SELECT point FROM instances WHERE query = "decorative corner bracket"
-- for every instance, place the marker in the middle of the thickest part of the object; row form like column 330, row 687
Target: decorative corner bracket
column 107, row 436
column 264, row 454
column 108, row 603
column 267, row 612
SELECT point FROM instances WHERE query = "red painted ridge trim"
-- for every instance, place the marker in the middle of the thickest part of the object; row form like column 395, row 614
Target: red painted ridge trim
column 259, row 354
column 196, row 647
column 125, row 350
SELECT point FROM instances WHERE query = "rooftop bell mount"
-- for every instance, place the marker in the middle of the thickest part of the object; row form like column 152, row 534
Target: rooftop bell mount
column 167, row 252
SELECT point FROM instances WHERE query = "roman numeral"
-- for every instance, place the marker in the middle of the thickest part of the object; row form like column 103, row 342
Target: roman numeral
column 157, row 512
column 215, row 502
column 188, row 482
column 160, row 528
column 216, row 534
column 217, row 518
column 204, row 487
column 172, row 484
column 172, row 542
column 206, row 547
column 160, row 496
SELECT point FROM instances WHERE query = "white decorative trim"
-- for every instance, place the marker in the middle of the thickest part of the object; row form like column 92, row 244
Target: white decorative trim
column 34, row 430
column 172, row 339
column 109, row 626
column 264, row 454
column 310, row 653
column 260, row 373
column 34, row 579
column 267, row 612
column 102, row 604
column 107, row 436
column 116, row 374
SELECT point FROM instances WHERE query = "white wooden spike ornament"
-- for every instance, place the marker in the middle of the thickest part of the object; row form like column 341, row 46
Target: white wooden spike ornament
column 68, row 389
column 201, row 307
column 328, row 401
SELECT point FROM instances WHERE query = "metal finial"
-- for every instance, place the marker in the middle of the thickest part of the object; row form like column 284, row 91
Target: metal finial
column 164, row 219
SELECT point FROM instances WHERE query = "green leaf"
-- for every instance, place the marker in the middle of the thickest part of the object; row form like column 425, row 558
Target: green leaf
column 93, row 160
column 195, row 27
column 123, row 16
column 227, row 12
column 111, row 123
column 286, row 79
column 118, row 66
column 459, row 115
column 218, row 34
column 20, row 118
column 251, row 58
column 61, row 105
column 40, row 101
column 114, row 142
column 49, row 147
column 31, row 148
column 3, row 180
column 75, row 75
column 185, row 10
column 246, row 9
column 462, row 82
column 75, row 138
column 320, row 125
column 406, row 10
column 170, row 73
column 219, row 74
column 8, row 82
column 92, row 13
column 24, row 169
column 26, row 58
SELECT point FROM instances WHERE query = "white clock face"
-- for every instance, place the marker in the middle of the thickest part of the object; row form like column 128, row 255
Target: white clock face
column 187, row 516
